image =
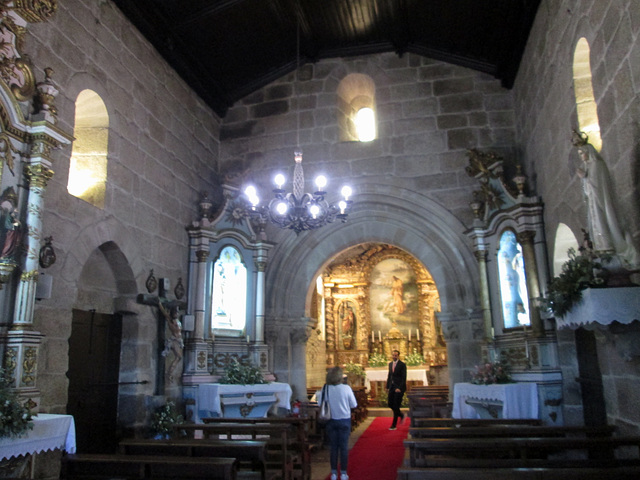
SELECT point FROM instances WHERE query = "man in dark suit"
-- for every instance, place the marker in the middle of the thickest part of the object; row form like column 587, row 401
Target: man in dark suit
column 396, row 386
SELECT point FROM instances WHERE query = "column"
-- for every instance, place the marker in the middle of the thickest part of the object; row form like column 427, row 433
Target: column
column 196, row 349
column 485, row 303
column 533, row 287
column 299, row 335
column 260, row 261
column 198, row 310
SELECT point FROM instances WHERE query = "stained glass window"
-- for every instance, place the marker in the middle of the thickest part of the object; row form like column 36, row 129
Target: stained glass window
column 229, row 296
column 513, row 284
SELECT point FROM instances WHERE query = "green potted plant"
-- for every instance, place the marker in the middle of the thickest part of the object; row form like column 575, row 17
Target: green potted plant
column 164, row 419
column 355, row 374
column 238, row 373
column 581, row 271
column 15, row 417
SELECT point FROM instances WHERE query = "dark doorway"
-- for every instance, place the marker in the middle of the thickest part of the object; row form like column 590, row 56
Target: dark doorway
column 594, row 408
column 94, row 365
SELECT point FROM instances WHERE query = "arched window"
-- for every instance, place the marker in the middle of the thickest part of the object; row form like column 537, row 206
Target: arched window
column 88, row 168
column 583, row 88
column 563, row 242
column 513, row 284
column 357, row 114
column 229, row 295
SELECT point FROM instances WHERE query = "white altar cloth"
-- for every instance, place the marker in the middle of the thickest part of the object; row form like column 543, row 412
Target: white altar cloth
column 603, row 306
column 519, row 400
column 380, row 375
column 49, row 432
column 209, row 394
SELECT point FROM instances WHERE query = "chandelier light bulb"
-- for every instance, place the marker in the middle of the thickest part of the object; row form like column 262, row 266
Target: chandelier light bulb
column 281, row 208
column 279, row 180
column 342, row 205
column 321, row 182
column 346, row 192
column 314, row 210
column 252, row 195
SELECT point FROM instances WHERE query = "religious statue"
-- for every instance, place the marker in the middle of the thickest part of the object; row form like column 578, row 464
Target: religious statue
column 397, row 292
column 12, row 239
column 173, row 338
column 605, row 231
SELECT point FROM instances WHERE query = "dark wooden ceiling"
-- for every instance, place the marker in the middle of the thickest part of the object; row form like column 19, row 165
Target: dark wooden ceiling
column 227, row 49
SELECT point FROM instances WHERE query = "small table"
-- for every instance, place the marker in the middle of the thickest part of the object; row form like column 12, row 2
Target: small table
column 209, row 395
column 50, row 432
column 516, row 400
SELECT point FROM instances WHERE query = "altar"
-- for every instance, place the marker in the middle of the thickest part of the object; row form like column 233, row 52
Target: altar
column 505, row 400
column 257, row 400
column 416, row 374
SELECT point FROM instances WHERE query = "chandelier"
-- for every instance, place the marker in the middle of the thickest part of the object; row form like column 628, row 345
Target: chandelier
column 297, row 210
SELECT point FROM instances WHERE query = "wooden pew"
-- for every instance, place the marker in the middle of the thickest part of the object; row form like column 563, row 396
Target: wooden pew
column 105, row 466
column 298, row 444
column 423, row 450
column 510, row 431
column 428, row 406
column 252, row 453
column 279, row 437
column 577, row 473
column 471, row 422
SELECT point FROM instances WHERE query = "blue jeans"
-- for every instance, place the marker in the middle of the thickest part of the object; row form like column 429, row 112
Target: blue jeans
column 338, row 432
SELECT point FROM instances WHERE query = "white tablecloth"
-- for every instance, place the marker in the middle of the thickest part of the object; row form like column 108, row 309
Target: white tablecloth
column 603, row 306
column 519, row 400
column 49, row 432
column 380, row 375
column 209, row 394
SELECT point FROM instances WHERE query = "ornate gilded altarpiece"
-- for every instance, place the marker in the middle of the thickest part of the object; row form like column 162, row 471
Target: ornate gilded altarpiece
column 377, row 299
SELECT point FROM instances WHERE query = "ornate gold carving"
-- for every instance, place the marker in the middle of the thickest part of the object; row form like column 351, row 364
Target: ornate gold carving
column 35, row 11
column 28, row 276
column 202, row 255
column 8, row 152
column 38, row 175
column 29, row 366
column 202, row 359
column 11, row 363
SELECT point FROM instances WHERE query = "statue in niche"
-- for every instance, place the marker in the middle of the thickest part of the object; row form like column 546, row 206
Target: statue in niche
column 12, row 239
column 348, row 324
column 605, row 231
column 397, row 293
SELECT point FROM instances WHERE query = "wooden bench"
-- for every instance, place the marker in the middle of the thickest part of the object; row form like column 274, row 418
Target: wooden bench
column 102, row 466
column 279, row 438
column 252, row 453
column 577, row 473
column 471, row 422
column 431, row 406
column 510, row 431
column 422, row 450
column 299, row 444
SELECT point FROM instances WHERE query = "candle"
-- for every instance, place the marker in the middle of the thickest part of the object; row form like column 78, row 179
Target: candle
column 417, row 334
column 493, row 333
column 248, row 339
column 373, row 337
column 409, row 334
column 379, row 336
column 526, row 348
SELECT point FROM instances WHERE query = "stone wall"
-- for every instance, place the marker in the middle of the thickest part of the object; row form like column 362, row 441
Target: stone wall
column 162, row 153
column 546, row 113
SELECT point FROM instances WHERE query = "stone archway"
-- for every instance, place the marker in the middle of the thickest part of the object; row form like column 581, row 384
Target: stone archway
column 383, row 214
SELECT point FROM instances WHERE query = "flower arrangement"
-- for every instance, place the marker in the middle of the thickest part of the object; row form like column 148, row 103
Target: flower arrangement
column 490, row 373
column 578, row 273
column 15, row 418
column 237, row 373
column 164, row 418
column 354, row 369
column 377, row 360
column 414, row 359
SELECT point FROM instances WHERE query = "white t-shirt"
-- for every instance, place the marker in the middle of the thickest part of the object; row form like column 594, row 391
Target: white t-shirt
column 341, row 400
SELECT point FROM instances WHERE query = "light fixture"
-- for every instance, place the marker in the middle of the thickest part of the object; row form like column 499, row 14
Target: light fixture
column 297, row 210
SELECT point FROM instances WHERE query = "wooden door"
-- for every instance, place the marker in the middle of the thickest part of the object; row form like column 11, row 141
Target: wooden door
column 94, row 365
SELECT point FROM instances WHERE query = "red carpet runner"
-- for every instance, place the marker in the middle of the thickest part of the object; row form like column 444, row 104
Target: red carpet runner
column 379, row 451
